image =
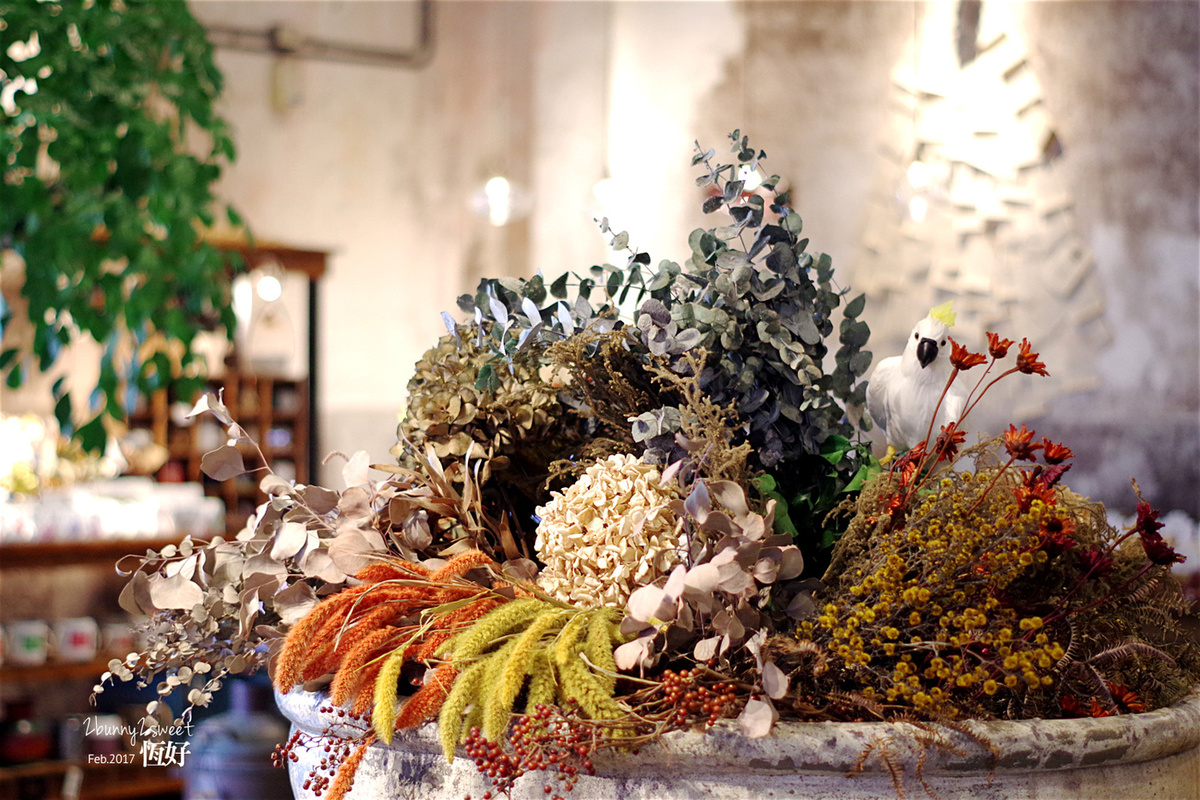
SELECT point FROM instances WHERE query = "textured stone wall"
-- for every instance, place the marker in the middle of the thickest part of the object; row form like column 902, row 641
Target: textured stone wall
column 1122, row 83
column 1092, row 254
column 1098, row 266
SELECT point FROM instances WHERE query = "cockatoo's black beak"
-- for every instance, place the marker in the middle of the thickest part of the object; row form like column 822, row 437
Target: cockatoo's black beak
column 927, row 351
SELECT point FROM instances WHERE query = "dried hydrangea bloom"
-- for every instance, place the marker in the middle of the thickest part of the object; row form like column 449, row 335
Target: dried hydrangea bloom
column 610, row 532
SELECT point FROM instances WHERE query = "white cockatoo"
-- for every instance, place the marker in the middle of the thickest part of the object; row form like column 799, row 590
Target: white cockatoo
column 904, row 390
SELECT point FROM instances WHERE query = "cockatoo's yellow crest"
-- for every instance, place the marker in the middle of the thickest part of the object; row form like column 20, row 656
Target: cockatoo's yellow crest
column 944, row 312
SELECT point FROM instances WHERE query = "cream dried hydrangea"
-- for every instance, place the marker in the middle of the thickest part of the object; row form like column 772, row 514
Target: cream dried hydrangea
column 610, row 532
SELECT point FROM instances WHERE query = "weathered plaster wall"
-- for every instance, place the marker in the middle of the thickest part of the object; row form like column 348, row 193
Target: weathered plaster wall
column 379, row 165
column 1123, row 83
column 1118, row 85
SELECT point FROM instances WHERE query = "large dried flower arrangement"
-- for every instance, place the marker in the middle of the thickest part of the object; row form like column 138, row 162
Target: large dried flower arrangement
column 601, row 528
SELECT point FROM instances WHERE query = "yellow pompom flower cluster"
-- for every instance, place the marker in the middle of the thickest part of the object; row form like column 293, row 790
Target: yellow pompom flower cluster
column 922, row 621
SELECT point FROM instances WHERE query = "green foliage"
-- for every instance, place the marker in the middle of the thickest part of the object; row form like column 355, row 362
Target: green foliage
column 108, row 169
column 758, row 303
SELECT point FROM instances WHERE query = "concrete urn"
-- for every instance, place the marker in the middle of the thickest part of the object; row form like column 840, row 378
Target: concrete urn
column 1149, row 755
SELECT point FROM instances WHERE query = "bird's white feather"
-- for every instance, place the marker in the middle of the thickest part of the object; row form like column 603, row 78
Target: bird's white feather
column 902, row 393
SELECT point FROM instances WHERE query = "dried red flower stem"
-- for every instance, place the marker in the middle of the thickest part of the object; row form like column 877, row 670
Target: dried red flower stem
column 933, row 417
column 995, row 478
column 962, row 359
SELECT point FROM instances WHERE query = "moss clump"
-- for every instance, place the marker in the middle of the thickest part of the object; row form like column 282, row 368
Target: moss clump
column 997, row 592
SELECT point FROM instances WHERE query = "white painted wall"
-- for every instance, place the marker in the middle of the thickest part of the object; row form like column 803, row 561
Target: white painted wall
column 378, row 166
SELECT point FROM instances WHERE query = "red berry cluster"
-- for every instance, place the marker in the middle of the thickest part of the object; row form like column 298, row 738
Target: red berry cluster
column 695, row 702
column 337, row 749
column 361, row 720
column 283, row 752
column 549, row 740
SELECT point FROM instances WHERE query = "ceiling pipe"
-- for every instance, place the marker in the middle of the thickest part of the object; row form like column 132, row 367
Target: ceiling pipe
column 283, row 41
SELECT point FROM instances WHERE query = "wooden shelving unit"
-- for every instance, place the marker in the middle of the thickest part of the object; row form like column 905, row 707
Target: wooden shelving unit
column 96, row 782
column 47, row 779
column 55, row 671
column 48, row 554
column 274, row 412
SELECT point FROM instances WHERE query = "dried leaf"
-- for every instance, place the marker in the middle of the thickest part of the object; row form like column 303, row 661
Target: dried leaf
column 211, row 403
column 289, row 540
column 727, row 624
column 294, row 602
column 735, row 580
column 792, row 563
column 175, row 592
column 774, row 681
column 318, row 564
column 637, row 653
column 354, row 507
column 319, row 499
column 698, row 503
column 262, row 565
column 731, row 496
column 676, row 582
column 415, row 532
column 706, row 649
column 647, row 603
column 184, row 566
column 135, row 597
column 273, row 484
column 357, row 469
column 766, row 569
column 520, row 569
column 802, row 606
column 754, row 645
column 754, row 527
column 530, row 309
column 757, row 719
column 507, row 542
column 719, row 522
column 702, row 579
column 354, row 549
column 670, row 473
column 223, row 463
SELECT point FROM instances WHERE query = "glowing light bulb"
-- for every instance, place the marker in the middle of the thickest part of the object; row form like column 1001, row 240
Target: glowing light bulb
column 269, row 288
column 918, row 174
column 498, row 192
column 918, row 207
column 750, row 176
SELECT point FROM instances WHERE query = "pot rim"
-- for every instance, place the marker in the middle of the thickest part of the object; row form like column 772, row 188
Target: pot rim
column 792, row 746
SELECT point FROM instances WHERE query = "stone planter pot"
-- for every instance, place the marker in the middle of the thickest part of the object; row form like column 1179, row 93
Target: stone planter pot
column 1151, row 755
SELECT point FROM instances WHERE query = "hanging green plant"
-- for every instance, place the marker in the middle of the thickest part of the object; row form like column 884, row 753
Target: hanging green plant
column 110, row 149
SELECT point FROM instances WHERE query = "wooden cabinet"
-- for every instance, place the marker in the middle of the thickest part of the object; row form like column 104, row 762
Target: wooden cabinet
column 22, row 566
column 276, row 410
column 275, row 413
